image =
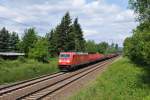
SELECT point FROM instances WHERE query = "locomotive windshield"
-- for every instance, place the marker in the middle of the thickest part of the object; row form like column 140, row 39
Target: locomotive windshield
column 64, row 55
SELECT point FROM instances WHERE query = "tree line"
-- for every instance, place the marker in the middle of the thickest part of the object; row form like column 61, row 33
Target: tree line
column 102, row 47
column 137, row 47
column 66, row 36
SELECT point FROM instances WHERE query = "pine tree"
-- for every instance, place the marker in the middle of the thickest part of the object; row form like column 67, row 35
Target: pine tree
column 71, row 39
column 4, row 40
column 52, row 43
column 61, row 34
column 64, row 32
column 66, row 36
column 79, row 40
column 14, row 41
column 29, row 39
column 116, row 47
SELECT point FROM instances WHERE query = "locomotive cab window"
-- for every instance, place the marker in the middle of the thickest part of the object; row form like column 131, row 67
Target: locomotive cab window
column 64, row 55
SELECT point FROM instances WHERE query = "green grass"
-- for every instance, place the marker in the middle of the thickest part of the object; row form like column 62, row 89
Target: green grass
column 17, row 70
column 122, row 81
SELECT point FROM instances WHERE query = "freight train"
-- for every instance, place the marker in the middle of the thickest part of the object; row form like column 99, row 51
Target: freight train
column 73, row 60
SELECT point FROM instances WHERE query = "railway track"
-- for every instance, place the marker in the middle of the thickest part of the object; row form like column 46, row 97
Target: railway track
column 43, row 77
column 45, row 86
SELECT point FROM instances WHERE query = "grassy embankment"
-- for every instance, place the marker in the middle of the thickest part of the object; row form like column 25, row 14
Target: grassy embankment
column 17, row 70
column 122, row 81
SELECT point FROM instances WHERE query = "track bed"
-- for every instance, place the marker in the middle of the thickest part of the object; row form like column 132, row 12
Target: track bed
column 49, row 86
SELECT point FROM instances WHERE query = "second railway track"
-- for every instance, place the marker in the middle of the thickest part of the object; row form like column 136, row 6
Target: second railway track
column 46, row 86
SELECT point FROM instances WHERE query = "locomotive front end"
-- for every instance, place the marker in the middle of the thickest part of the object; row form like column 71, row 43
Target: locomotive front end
column 65, row 60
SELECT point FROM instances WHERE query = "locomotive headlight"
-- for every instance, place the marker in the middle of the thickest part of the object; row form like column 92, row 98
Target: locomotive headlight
column 60, row 61
column 68, row 61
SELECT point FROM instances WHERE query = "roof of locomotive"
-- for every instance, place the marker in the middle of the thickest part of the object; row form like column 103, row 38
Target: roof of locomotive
column 73, row 53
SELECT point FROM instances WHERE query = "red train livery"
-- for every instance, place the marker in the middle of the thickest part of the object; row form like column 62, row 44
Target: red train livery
column 70, row 60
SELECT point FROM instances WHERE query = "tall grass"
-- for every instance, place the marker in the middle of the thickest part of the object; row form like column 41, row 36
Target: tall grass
column 122, row 81
column 21, row 69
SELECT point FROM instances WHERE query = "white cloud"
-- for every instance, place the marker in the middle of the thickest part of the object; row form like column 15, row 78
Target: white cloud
column 79, row 3
column 98, row 19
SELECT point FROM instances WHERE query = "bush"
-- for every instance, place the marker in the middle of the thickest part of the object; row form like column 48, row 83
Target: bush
column 22, row 59
column 1, row 60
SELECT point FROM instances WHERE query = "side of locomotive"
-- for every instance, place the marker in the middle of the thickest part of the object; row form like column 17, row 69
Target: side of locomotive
column 70, row 60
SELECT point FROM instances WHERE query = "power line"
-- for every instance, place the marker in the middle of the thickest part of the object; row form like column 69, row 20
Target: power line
column 3, row 18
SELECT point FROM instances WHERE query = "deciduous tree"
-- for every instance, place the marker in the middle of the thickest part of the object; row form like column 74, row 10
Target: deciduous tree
column 142, row 8
column 29, row 39
column 39, row 50
column 103, row 47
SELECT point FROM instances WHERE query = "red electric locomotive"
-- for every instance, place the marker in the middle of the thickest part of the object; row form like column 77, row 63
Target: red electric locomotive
column 70, row 60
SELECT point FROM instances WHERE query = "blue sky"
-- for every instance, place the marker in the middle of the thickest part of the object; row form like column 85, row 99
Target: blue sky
column 122, row 3
column 101, row 20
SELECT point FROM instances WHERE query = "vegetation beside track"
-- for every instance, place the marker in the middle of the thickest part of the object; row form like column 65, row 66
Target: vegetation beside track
column 122, row 81
column 22, row 69
column 136, row 47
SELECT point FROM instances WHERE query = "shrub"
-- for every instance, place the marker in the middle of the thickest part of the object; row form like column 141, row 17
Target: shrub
column 1, row 60
column 22, row 59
